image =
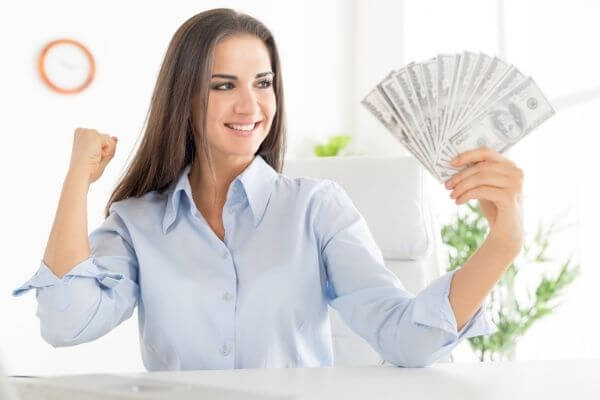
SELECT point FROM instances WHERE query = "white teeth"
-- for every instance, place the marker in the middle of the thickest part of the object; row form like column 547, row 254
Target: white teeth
column 242, row 127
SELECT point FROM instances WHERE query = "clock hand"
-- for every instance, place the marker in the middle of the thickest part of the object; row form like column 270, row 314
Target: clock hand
column 70, row 66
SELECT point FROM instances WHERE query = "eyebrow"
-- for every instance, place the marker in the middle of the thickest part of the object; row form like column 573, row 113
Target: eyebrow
column 233, row 77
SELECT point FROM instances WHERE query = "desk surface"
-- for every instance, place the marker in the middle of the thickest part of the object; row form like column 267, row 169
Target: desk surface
column 577, row 379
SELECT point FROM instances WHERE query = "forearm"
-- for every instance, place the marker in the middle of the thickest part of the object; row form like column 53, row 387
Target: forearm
column 68, row 242
column 474, row 281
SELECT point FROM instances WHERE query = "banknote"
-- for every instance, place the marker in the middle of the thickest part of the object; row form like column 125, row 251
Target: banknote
column 507, row 121
column 452, row 103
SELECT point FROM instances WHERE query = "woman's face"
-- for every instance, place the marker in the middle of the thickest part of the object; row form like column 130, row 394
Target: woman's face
column 241, row 100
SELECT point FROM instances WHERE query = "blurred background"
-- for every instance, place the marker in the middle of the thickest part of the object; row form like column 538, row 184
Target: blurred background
column 333, row 52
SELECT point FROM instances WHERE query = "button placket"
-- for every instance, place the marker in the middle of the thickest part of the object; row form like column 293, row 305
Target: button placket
column 225, row 349
column 227, row 296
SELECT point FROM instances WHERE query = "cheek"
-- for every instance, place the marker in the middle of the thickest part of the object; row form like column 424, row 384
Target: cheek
column 270, row 106
column 215, row 109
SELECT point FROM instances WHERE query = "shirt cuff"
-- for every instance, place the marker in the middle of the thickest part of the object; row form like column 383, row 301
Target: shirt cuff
column 432, row 308
column 44, row 278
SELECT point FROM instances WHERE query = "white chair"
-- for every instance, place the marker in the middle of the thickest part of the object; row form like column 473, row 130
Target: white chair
column 392, row 194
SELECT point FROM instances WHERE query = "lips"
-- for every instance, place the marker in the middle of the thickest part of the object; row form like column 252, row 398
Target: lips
column 242, row 126
column 243, row 129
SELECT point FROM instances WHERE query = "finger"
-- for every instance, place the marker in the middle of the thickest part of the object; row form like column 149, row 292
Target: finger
column 106, row 138
column 109, row 150
column 479, row 154
column 496, row 167
column 485, row 178
column 493, row 194
column 108, row 141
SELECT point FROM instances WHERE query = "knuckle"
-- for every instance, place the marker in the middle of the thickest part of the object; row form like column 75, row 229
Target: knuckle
column 520, row 173
column 520, row 185
column 487, row 175
column 458, row 177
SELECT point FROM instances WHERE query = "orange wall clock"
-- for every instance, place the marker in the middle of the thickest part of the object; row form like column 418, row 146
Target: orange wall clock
column 66, row 66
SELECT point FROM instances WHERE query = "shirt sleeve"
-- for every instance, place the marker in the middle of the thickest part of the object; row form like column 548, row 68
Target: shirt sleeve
column 96, row 295
column 406, row 330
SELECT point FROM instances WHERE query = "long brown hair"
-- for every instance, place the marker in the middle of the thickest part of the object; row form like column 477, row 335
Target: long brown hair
column 168, row 143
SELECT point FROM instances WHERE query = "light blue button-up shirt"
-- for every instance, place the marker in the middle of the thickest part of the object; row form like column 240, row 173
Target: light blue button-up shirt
column 292, row 247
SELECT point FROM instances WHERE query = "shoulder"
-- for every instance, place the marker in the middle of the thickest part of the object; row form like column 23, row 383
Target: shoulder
column 317, row 193
column 144, row 212
column 310, row 188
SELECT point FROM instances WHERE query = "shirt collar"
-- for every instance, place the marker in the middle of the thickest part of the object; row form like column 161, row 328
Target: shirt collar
column 257, row 182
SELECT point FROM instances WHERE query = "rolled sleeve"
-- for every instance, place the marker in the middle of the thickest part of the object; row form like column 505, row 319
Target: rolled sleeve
column 44, row 277
column 95, row 295
column 432, row 309
column 57, row 291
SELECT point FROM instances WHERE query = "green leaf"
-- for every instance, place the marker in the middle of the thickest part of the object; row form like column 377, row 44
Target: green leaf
column 333, row 146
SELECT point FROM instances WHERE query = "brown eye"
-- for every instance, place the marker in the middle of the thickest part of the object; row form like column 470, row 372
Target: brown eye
column 223, row 86
column 265, row 84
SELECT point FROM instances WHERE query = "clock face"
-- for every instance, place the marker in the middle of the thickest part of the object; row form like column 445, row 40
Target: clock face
column 66, row 66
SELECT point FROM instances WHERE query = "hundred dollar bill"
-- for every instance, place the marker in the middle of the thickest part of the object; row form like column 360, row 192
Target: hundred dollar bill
column 507, row 121
column 415, row 81
column 510, row 79
column 496, row 70
column 379, row 107
column 471, row 70
column 456, row 63
column 408, row 92
column 393, row 118
column 400, row 104
column 465, row 69
column 479, row 73
column 445, row 74
column 429, row 73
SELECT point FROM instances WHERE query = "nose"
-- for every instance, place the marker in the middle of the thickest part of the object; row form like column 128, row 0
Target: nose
column 247, row 102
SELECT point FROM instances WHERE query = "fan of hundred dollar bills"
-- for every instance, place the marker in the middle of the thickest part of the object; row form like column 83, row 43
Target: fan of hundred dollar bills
column 449, row 104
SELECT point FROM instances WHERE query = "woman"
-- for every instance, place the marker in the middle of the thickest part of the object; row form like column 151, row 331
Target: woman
column 231, row 264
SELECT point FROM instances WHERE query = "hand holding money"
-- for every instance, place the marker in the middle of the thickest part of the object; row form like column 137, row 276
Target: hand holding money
column 497, row 183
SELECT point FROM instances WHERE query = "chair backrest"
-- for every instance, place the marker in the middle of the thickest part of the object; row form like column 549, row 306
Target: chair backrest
column 392, row 194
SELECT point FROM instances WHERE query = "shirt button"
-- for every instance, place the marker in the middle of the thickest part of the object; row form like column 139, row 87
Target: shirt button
column 227, row 296
column 225, row 350
column 225, row 254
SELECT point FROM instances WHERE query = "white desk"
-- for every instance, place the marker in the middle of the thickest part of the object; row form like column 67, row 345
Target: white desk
column 573, row 379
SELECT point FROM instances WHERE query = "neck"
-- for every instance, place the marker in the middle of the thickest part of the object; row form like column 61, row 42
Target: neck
column 205, row 188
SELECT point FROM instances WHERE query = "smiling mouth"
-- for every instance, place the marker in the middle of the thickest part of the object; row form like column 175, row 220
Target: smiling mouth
column 243, row 128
